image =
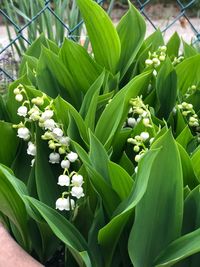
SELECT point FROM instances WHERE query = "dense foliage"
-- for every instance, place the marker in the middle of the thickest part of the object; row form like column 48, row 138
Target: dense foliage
column 100, row 149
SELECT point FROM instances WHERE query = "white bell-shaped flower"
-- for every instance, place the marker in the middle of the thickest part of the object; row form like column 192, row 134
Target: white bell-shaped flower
column 58, row 132
column 131, row 122
column 49, row 124
column 31, row 150
column 64, row 140
column 19, row 97
column 54, row 158
column 22, row 111
column 72, row 156
column 64, row 204
column 144, row 136
column 63, row 180
column 23, row 133
column 65, row 164
column 47, row 114
column 77, row 191
column 77, row 180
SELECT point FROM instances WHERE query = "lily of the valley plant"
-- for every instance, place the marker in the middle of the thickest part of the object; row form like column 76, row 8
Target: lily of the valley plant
column 100, row 149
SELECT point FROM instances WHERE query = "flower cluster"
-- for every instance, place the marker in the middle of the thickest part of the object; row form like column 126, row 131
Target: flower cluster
column 190, row 91
column 139, row 112
column 177, row 60
column 39, row 111
column 156, row 58
column 189, row 113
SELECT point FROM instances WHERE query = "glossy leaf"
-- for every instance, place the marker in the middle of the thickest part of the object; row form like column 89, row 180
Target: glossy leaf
column 158, row 216
column 131, row 30
column 173, row 46
column 102, row 33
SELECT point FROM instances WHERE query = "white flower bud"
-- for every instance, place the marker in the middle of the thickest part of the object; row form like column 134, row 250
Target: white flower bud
column 39, row 101
column 137, row 158
column 16, row 91
column 63, row 180
column 64, row 204
column 22, row 111
column 64, row 140
column 156, row 62
column 136, row 169
column 151, row 140
column 65, row 164
column 32, row 162
column 23, row 133
column 58, row 132
column 155, row 73
column 146, row 122
column 131, row 122
column 72, row 156
column 31, row 150
column 162, row 58
column 77, row 192
column 144, row 135
column 49, row 124
column 77, row 180
column 148, row 62
column 47, row 114
column 136, row 148
column 19, row 97
column 54, row 158
column 163, row 48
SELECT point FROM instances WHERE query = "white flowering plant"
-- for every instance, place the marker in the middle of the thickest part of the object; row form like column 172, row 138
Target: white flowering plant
column 100, row 149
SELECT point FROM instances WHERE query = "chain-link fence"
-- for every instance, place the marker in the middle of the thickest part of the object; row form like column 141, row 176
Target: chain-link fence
column 24, row 20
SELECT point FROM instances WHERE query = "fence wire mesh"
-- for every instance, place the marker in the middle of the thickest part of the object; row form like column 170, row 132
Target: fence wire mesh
column 22, row 26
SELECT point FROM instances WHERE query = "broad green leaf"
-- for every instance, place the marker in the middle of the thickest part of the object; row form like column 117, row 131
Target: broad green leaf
column 158, row 216
column 173, row 46
column 12, row 205
column 98, row 157
column 110, row 234
column 186, row 74
column 179, row 249
column 189, row 177
column 64, row 230
column 196, row 162
column 90, row 102
column 155, row 40
column 116, row 111
column 81, row 66
column 46, row 182
column 102, row 33
column 9, row 143
column 29, row 61
column 65, row 108
column 121, row 181
column 54, row 78
column 188, row 50
column 166, row 89
column 185, row 137
column 131, row 30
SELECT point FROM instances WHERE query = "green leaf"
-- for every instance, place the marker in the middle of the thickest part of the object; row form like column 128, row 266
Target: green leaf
column 64, row 108
column 196, row 162
column 131, row 30
column 179, row 249
column 12, row 205
column 166, row 89
column 186, row 74
column 54, row 78
column 189, row 51
column 29, row 61
column 81, row 66
column 44, row 175
column 102, row 33
column 121, row 181
column 64, row 230
column 90, row 102
column 155, row 40
column 158, row 216
column 185, row 137
column 173, row 46
column 109, row 234
column 9, row 143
